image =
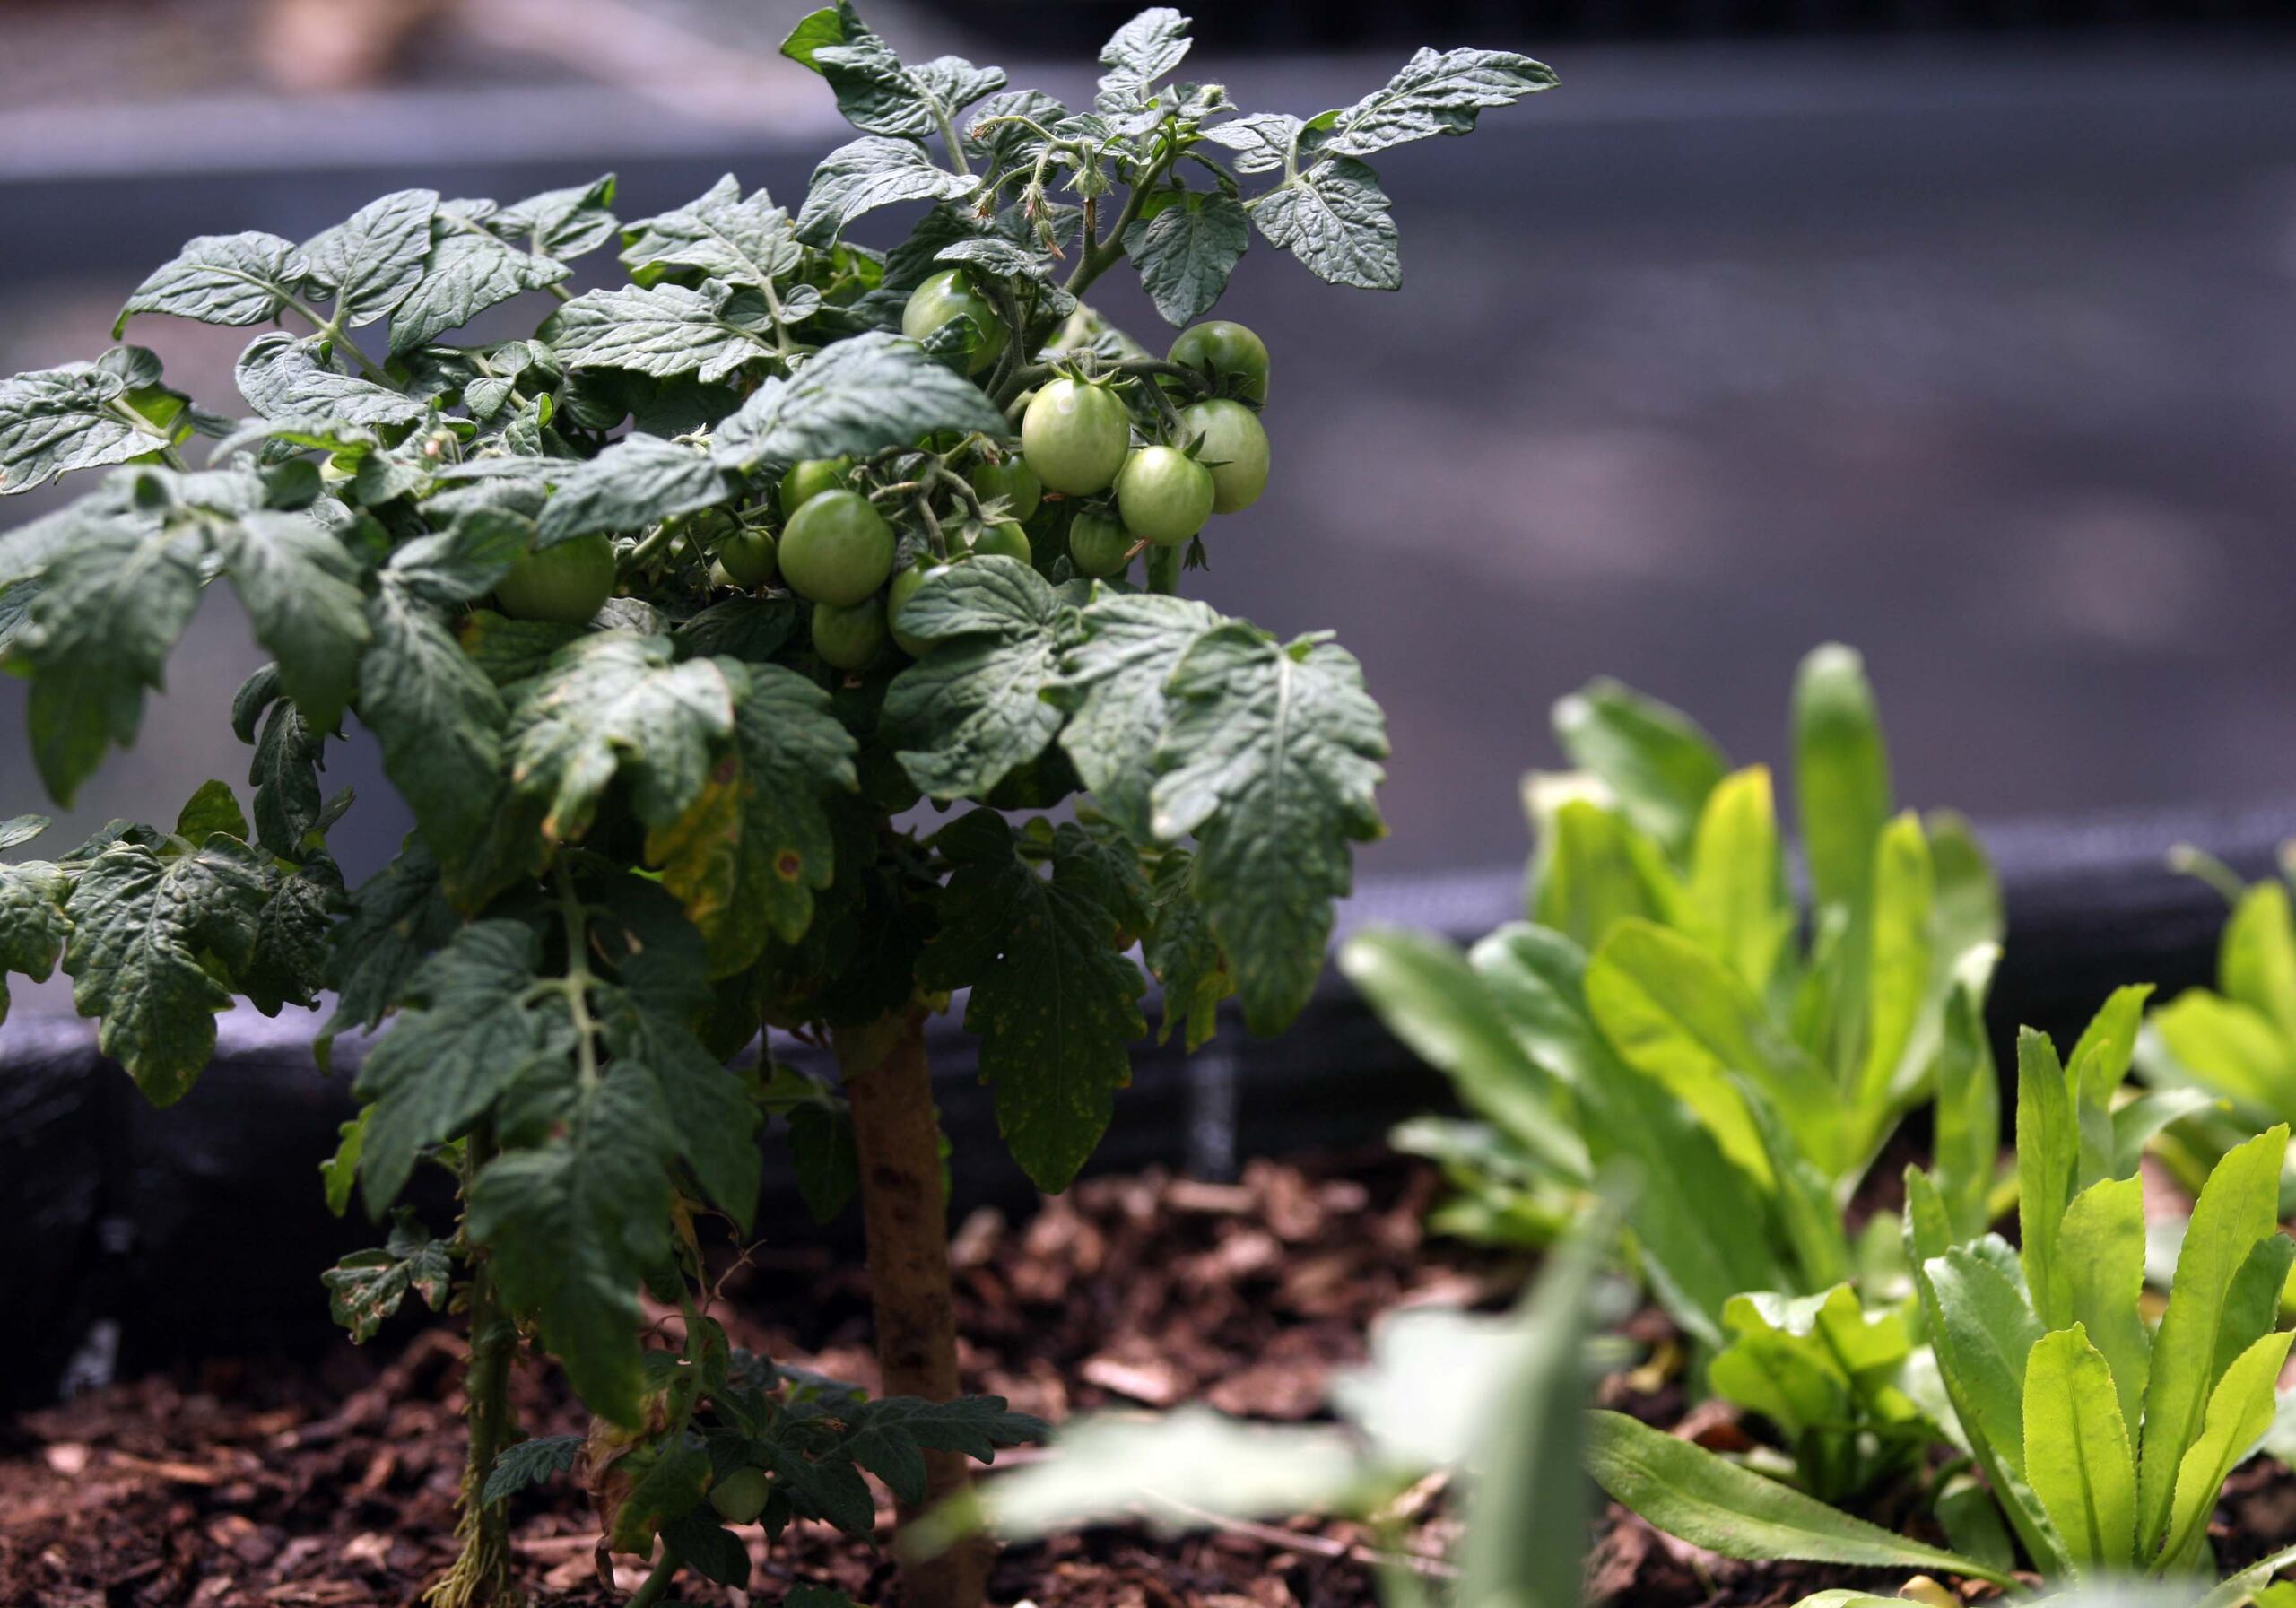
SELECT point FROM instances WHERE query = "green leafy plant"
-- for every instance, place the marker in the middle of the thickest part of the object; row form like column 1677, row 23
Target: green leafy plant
column 1657, row 1008
column 660, row 798
column 2105, row 1440
column 2226, row 1056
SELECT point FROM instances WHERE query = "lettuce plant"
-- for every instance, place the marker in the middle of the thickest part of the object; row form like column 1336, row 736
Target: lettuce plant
column 660, row 799
column 2105, row 1439
column 1658, row 1008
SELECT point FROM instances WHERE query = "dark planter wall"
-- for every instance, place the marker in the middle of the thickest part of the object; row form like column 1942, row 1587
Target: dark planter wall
column 131, row 1238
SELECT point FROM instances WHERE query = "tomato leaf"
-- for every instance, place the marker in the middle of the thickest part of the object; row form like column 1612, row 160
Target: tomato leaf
column 233, row 279
column 1055, row 1002
column 1333, row 217
column 369, row 261
column 366, row 1287
column 467, row 269
column 663, row 330
column 972, row 711
column 1186, row 253
column 871, row 172
column 1270, row 758
column 1143, row 50
column 283, row 377
column 1112, row 684
column 873, row 391
column 54, row 421
column 527, row 1462
column 635, row 483
column 1435, row 93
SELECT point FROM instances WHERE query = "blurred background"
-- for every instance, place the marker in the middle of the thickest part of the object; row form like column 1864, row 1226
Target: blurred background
column 1960, row 330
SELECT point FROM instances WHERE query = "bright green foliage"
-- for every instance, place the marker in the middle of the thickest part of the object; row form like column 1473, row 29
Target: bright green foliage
column 650, row 815
column 2106, row 1441
column 2222, row 1060
column 1657, row 1006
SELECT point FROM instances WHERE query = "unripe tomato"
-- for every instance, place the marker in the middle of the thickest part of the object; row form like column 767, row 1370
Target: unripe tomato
column 1098, row 545
column 1235, row 449
column 849, row 636
column 568, row 582
column 1075, row 435
column 1004, row 540
column 898, row 594
column 950, row 295
column 808, row 478
column 1164, row 495
column 740, row 1497
column 1229, row 350
column 748, row 556
column 838, row 549
column 1013, row 481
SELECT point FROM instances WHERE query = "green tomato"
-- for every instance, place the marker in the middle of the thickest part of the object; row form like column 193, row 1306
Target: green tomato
column 747, row 555
column 1231, row 351
column 898, row 594
column 1164, row 495
column 740, row 1497
column 568, row 582
column 1004, row 540
column 1098, row 545
column 838, row 549
column 1013, row 481
column 808, row 478
column 849, row 636
column 1235, row 449
column 1075, row 435
column 947, row 295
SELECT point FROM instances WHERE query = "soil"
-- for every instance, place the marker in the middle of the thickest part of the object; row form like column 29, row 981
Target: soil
column 331, row 1484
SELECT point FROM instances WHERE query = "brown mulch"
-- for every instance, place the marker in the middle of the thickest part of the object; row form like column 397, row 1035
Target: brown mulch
column 332, row 1486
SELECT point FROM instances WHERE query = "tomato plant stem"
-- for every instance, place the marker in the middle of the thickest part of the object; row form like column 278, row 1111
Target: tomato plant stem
column 650, row 1590
column 481, row 1577
column 904, row 1211
column 1164, row 570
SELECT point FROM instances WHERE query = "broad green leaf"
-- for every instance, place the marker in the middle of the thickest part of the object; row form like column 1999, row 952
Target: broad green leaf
column 1702, row 1228
column 859, row 396
column 2100, row 1272
column 366, row 1287
column 140, row 927
column 1966, row 1114
column 474, row 1026
column 2099, row 1060
column 718, row 234
column 2237, row 1207
column 747, row 856
column 1689, row 1493
column 1526, row 1528
column 613, row 703
column 1674, row 1010
column 467, row 271
column 633, row 484
column 1435, row 93
column 1144, row 49
column 2239, row 1411
column 2048, row 1147
column 1983, row 1329
column 1841, row 774
column 54, row 421
column 300, row 586
column 1969, row 894
column 1263, row 141
column 1654, row 758
column 1055, row 1002
column 972, row 711
column 2078, row 1458
column 528, row 1463
column 1430, row 997
column 2233, row 1049
column 369, row 261
column 210, row 810
column 1900, row 963
column 1112, row 684
column 873, row 171
column 664, row 330
column 2256, row 956
column 236, row 279
column 1186, row 252
column 33, row 924
column 1270, row 758
column 2252, row 1584
column 874, row 92
column 1184, row 954
column 1779, row 1361
column 1592, row 870
column 888, row 1435
column 102, row 627
column 1734, row 898
column 1333, row 217
column 284, row 377
column 398, row 917
column 562, row 223
column 574, row 1224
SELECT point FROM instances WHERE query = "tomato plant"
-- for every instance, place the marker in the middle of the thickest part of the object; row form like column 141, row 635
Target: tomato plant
column 648, row 823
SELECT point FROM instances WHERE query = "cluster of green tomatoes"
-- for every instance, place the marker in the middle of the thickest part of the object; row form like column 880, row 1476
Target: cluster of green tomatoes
column 1122, row 479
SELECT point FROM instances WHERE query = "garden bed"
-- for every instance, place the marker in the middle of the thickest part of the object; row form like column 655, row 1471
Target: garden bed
column 242, row 1481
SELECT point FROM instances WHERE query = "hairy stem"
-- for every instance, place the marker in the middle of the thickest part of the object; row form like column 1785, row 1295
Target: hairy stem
column 481, row 1577
column 903, row 1209
column 1164, row 569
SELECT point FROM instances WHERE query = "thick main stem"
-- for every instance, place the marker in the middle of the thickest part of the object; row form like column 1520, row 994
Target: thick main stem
column 481, row 1577
column 905, row 1213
